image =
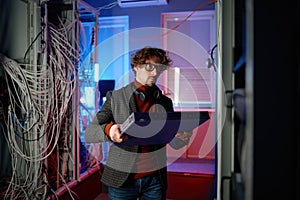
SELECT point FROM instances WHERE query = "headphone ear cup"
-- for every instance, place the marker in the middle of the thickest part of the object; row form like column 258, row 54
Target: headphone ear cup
column 142, row 96
column 157, row 94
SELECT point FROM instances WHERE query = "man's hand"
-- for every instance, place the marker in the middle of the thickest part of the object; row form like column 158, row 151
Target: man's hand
column 184, row 136
column 115, row 134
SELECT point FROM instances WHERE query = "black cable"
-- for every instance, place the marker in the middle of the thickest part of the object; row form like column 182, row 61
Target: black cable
column 36, row 37
column 212, row 57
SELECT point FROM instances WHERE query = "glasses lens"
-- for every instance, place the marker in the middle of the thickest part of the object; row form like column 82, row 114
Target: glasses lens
column 150, row 67
column 161, row 68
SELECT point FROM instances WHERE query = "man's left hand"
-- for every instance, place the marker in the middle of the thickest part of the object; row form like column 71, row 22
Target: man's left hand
column 184, row 136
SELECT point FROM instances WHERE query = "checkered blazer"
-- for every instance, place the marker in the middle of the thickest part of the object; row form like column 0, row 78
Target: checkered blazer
column 118, row 106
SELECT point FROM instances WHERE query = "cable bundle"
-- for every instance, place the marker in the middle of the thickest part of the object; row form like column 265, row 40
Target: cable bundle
column 40, row 97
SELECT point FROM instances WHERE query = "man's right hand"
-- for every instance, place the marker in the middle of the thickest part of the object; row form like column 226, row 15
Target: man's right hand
column 115, row 134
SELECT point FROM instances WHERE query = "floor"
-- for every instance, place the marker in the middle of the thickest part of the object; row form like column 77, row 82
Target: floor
column 190, row 165
column 102, row 196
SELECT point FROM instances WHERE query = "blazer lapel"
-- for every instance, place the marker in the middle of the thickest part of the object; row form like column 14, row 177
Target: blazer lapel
column 130, row 94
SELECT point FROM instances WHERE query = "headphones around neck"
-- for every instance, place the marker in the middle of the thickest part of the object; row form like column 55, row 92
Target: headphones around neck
column 143, row 96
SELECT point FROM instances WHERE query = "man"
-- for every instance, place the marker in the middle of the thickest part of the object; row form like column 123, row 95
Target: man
column 137, row 171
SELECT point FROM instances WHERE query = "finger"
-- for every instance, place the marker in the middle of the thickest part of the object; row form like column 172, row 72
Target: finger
column 118, row 138
column 124, row 137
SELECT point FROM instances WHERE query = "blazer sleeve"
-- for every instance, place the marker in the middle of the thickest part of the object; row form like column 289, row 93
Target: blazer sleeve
column 95, row 131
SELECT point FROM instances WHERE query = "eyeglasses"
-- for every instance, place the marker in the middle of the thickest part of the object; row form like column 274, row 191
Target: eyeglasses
column 150, row 67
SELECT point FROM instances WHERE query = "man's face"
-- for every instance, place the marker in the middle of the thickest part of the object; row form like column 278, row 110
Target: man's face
column 147, row 77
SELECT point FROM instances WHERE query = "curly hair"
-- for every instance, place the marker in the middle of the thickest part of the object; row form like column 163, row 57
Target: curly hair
column 146, row 53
